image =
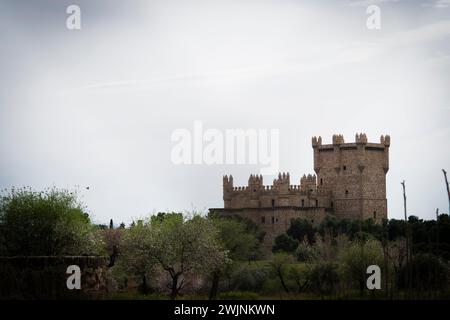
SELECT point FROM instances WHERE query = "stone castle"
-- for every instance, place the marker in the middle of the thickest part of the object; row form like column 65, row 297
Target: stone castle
column 349, row 182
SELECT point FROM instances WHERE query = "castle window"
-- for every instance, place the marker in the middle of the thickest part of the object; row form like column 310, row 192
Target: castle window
column 346, row 192
column 254, row 190
column 273, row 203
column 273, row 219
column 317, row 203
column 332, row 204
column 263, row 219
column 303, row 202
column 374, row 215
column 344, row 167
column 321, row 181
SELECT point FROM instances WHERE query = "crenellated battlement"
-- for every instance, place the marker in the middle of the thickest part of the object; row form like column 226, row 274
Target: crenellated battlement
column 338, row 140
column 308, row 182
column 316, row 141
column 361, row 138
column 255, row 182
column 228, row 179
column 385, row 140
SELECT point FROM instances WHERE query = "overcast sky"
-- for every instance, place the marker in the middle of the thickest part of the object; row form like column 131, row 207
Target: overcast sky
column 96, row 107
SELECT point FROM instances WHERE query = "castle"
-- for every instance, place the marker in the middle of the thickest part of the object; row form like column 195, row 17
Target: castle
column 349, row 182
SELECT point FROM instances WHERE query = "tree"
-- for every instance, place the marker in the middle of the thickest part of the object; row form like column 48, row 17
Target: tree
column 284, row 243
column 299, row 274
column 112, row 239
column 176, row 245
column 279, row 264
column 182, row 246
column 301, row 228
column 50, row 223
column 240, row 243
column 305, row 252
column 357, row 258
column 135, row 259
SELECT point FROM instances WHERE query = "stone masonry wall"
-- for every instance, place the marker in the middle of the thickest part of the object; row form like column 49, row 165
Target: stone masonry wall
column 45, row 277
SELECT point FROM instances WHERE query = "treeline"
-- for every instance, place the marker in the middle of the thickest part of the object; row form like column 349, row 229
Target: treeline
column 413, row 255
column 427, row 236
column 171, row 255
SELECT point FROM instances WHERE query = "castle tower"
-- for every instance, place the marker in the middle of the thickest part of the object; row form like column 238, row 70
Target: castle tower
column 255, row 185
column 308, row 183
column 281, row 188
column 227, row 190
column 355, row 173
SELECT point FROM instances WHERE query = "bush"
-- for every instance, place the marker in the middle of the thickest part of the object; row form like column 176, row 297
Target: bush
column 355, row 260
column 249, row 277
column 429, row 273
column 324, row 278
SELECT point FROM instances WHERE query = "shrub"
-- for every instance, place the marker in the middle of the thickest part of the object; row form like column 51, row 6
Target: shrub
column 429, row 273
column 355, row 260
column 324, row 278
column 249, row 277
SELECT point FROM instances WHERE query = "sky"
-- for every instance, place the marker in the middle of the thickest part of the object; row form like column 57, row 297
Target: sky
column 96, row 107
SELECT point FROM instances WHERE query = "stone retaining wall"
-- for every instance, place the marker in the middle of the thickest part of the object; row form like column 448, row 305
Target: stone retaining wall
column 45, row 277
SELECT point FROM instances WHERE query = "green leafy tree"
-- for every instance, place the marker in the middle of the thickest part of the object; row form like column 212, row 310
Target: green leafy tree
column 301, row 229
column 279, row 264
column 135, row 258
column 50, row 223
column 284, row 243
column 240, row 242
column 356, row 259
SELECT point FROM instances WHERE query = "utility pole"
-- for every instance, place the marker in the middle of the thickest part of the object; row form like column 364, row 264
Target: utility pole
column 408, row 265
column 448, row 189
column 404, row 199
column 437, row 230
